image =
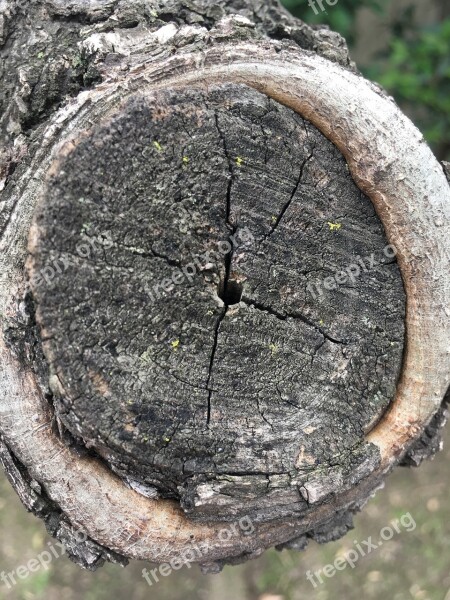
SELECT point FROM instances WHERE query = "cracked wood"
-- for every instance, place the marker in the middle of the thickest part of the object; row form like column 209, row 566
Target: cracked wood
column 184, row 388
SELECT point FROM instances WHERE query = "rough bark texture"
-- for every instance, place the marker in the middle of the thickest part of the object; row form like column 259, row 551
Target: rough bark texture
column 245, row 389
column 46, row 61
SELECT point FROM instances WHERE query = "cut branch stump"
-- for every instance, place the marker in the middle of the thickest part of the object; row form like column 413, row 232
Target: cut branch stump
column 224, row 279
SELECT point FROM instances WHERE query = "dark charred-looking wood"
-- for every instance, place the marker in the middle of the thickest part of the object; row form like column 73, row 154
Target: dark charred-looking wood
column 206, row 388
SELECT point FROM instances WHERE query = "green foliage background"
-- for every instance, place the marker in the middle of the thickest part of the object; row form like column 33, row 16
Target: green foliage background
column 414, row 68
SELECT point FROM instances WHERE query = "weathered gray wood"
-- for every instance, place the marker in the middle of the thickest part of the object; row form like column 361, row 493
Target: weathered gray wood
column 218, row 402
column 136, row 53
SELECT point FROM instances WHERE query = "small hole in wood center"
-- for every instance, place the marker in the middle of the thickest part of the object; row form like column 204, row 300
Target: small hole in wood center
column 231, row 292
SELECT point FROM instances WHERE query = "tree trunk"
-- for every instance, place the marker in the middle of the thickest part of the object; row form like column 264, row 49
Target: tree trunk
column 223, row 279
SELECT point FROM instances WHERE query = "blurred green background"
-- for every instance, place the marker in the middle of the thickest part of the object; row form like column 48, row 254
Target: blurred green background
column 404, row 45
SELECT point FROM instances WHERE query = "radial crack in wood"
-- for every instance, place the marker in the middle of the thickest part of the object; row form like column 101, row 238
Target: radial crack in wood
column 225, row 406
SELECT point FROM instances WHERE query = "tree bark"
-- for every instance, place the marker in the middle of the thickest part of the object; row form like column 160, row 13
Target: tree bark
column 223, row 282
